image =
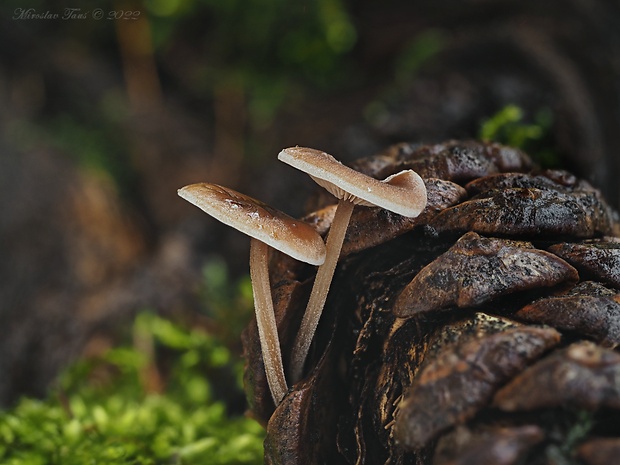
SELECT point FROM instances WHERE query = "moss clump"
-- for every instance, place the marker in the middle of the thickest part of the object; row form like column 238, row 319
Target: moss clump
column 509, row 126
column 124, row 408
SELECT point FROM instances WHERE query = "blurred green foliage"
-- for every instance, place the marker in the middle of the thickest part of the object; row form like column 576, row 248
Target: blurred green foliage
column 508, row 127
column 105, row 411
column 261, row 55
column 254, row 35
column 229, row 303
column 417, row 53
column 270, row 50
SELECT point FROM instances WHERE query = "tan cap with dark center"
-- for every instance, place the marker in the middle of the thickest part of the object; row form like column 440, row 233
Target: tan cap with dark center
column 258, row 220
column 406, row 198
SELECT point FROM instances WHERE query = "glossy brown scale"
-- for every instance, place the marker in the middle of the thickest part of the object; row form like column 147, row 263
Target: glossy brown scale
column 546, row 180
column 478, row 269
column 460, row 162
column 599, row 451
column 529, row 212
column 589, row 309
column 451, row 389
column 597, row 259
column 582, row 375
column 499, row 446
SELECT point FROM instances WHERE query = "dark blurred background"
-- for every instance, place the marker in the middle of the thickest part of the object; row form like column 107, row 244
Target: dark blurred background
column 103, row 118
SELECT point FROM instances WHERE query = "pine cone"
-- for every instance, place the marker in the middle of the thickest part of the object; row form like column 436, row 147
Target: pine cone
column 482, row 331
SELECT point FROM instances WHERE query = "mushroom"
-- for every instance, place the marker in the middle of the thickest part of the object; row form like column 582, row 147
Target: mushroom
column 403, row 193
column 267, row 227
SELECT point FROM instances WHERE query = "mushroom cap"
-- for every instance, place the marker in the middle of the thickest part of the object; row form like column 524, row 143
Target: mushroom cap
column 258, row 220
column 403, row 193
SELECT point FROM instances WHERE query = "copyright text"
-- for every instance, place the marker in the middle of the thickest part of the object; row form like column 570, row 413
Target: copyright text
column 32, row 14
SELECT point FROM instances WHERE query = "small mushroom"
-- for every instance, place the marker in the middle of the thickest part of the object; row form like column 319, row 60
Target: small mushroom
column 403, row 193
column 267, row 227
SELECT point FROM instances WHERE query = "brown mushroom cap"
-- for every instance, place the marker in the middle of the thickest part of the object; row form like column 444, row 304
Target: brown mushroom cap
column 258, row 220
column 406, row 196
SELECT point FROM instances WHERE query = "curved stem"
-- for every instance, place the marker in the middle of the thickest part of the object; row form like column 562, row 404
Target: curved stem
column 320, row 288
column 266, row 320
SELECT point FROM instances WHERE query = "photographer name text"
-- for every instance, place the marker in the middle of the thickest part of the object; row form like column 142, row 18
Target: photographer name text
column 68, row 14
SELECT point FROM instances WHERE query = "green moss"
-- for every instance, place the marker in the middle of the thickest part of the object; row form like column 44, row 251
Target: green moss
column 512, row 127
column 113, row 410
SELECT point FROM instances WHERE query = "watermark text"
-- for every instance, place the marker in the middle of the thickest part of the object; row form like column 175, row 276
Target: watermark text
column 73, row 14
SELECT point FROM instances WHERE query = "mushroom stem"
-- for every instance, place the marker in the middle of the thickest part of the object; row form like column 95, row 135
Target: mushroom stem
column 266, row 320
column 320, row 288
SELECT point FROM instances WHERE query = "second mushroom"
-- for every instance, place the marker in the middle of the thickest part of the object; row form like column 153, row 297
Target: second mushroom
column 267, row 227
column 403, row 193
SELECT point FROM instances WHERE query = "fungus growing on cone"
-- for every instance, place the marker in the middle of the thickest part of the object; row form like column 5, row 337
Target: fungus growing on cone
column 480, row 331
column 403, row 193
column 267, row 227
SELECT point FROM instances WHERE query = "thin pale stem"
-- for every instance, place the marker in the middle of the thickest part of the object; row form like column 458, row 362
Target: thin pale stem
column 266, row 320
column 320, row 288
